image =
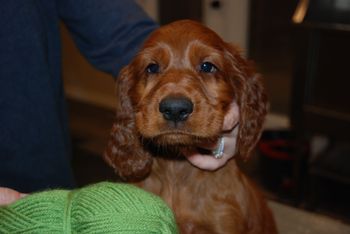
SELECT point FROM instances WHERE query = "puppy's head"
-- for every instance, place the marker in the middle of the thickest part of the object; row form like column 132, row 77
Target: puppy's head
column 177, row 91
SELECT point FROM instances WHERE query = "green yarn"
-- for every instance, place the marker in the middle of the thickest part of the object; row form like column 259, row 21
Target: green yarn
column 101, row 208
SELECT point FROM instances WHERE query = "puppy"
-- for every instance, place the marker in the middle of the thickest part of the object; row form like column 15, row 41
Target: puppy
column 173, row 97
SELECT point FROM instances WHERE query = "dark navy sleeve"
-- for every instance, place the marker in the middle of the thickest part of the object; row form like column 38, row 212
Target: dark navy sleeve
column 107, row 32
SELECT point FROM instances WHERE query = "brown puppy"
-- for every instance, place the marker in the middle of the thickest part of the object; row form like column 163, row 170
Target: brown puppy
column 174, row 96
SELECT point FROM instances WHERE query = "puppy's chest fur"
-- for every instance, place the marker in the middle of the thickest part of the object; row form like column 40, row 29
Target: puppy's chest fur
column 201, row 200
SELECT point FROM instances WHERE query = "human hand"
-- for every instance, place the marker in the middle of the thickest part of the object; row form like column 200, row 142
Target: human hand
column 8, row 196
column 230, row 131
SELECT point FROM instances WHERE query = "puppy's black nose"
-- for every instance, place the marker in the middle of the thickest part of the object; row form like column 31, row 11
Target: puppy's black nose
column 176, row 109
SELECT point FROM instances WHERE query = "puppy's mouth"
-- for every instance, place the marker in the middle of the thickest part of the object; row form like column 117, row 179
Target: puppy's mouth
column 181, row 139
column 171, row 144
column 175, row 139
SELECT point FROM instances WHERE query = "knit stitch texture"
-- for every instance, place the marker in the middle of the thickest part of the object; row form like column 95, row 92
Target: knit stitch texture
column 101, row 208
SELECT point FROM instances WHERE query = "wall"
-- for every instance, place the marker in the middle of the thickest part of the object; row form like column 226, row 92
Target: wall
column 230, row 20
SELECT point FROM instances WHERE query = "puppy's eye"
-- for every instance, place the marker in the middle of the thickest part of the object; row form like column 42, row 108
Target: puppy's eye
column 208, row 67
column 152, row 68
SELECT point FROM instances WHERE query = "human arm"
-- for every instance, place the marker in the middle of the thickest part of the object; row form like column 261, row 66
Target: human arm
column 107, row 32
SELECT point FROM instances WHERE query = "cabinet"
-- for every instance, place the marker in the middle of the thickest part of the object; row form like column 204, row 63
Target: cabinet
column 321, row 96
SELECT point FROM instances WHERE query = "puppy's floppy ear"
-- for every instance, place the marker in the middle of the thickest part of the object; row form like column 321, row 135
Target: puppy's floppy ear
column 252, row 102
column 124, row 150
column 253, row 108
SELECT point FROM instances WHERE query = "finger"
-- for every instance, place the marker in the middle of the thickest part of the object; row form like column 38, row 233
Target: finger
column 206, row 162
column 230, row 141
column 231, row 118
column 229, row 138
column 8, row 196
